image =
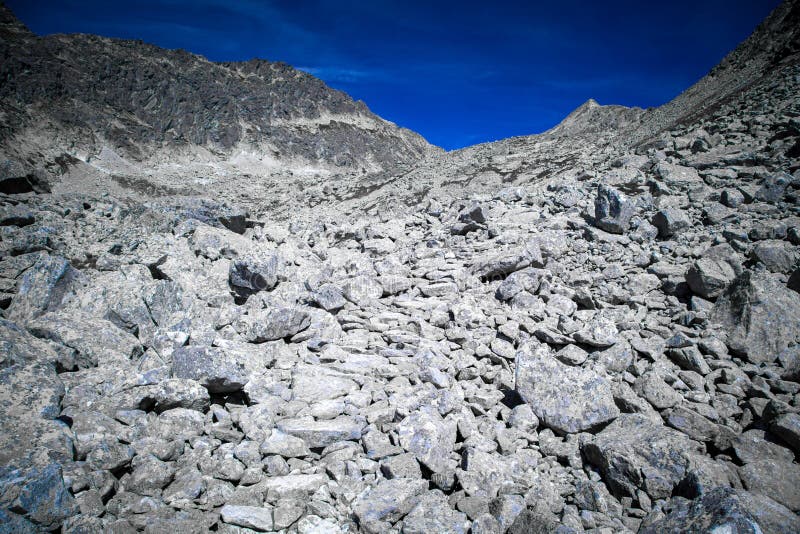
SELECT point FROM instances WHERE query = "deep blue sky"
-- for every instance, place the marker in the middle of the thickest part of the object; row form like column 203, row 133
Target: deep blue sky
column 458, row 72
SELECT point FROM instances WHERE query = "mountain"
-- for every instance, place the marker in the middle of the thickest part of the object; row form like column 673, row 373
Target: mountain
column 594, row 329
column 127, row 109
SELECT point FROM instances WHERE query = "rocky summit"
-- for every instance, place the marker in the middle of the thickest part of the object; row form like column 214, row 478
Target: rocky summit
column 234, row 300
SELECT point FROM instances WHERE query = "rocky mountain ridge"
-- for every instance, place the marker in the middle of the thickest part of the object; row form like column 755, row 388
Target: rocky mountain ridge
column 129, row 110
column 584, row 331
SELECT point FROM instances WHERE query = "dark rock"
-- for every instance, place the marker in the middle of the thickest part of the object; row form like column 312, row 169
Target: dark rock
column 670, row 222
column 725, row 510
column 612, row 210
column 211, row 367
column 633, row 453
column 760, row 315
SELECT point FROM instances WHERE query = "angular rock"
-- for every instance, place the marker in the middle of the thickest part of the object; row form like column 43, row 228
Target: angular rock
column 255, row 273
column 779, row 480
column 670, row 222
column 634, row 453
column 317, row 434
column 612, row 210
column 429, row 437
column 387, row 502
column 567, row 399
column 42, row 288
column 273, row 324
column 211, row 367
column 253, row 517
column 760, row 315
column 725, row 510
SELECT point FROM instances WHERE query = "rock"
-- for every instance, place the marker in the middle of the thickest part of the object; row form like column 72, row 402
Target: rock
column 94, row 342
column 657, row 392
column 318, row 434
column 670, row 222
column 429, row 437
column 691, row 423
column 732, row 198
column 42, row 288
column 777, row 256
column 312, row 524
column 284, row 445
column 401, row 466
column 276, row 323
column 497, row 266
column 711, row 274
column 253, row 517
column 254, row 273
column 787, row 426
column 434, row 514
column 725, row 510
column 760, row 315
column 598, row 332
column 760, row 477
column 754, row 445
column 387, row 502
column 773, row 188
column 362, row 290
column 38, row 494
column 566, row 399
column 612, row 210
column 329, row 298
column 211, row 367
column 634, row 453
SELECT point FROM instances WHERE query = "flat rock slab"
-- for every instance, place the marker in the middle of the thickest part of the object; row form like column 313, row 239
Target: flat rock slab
column 565, row 398
column 254, row 517
column 318, row 434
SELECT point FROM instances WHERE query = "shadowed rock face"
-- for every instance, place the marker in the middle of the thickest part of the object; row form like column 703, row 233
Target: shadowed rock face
column 564, row 333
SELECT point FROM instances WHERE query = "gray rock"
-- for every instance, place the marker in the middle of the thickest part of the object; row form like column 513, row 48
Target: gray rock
column 322, row 433
column 387, row 502
column 787, row 426
column 429, row 437
column 598, row 332
column 42, row 288
column 634, row 453
column 273, row 324
column 755, row 445
column 670, row 222
column 284, row 445
column 38, row 494
column 777, row 256
column 709, row 278
column 779, row 480
column 567, row 399
column 657, row 392
column 434, row 514
column 760, row 315
column 211, row 367
column 329, row 297
column 725, row 510
column 255, row 273
column 612, row 210
column 253, row 517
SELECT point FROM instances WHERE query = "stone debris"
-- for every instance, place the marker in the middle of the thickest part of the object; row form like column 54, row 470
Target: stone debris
column 599, row 333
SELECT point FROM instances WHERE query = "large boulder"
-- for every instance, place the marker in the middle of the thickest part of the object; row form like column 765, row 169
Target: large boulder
column 724, row 510
column 612, row 210
column 760, row 315
column 711, row 274
column 42, row 288
column 270, row 325
column 252, row 273
column 565, row 398
column 634, row 453
column 670, row 222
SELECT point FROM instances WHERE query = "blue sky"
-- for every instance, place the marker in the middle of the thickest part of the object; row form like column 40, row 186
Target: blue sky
column 458, row 72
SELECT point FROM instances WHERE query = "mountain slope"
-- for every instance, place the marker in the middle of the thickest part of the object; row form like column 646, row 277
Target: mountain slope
column 125, row 105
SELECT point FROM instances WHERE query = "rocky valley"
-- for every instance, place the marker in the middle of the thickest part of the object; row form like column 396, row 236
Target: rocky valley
column 235, row 300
